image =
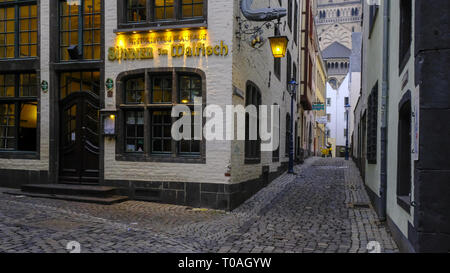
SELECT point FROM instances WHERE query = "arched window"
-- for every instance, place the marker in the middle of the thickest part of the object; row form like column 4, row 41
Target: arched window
column 252, row 146
column 353, row 11
column 338, row 13
column 146, row 99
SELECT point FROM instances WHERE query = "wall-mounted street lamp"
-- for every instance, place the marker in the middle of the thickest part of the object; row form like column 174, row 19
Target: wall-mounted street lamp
column 279, row 46
column 268, row 16
column 292, row 88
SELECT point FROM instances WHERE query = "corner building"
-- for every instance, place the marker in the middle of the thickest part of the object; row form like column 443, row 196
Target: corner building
column 103, row 77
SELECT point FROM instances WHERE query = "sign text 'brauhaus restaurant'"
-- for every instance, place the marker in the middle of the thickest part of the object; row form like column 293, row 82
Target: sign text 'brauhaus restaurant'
column 177, row 45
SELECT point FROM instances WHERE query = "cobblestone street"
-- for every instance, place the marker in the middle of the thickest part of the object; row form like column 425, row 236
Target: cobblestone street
column 322, row 209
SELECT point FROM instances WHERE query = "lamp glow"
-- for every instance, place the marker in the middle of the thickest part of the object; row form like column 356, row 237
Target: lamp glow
column 279, row 46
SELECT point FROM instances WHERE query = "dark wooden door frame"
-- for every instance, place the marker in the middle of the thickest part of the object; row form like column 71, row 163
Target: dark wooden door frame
column 85, row 153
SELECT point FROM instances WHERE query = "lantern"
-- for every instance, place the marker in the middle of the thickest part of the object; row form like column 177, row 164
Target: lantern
column 278, row 45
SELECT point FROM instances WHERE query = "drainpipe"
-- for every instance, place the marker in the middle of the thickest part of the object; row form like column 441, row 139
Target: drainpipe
column 265, row 14
column 384, row 111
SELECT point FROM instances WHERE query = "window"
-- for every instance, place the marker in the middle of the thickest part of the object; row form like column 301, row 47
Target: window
column 136, row 11
column 191, row 8
column 18, row 112
column 405, row 32
column 328, row 101
column 155, row 12
column 296, row 22
column 80, row 29
column 289, row 18
column 163, row 9
column 346, row 101
column 288, row 69
column 252, row 147
column 276, row 153
column 72, row 82
column 277, row 61
column 404, row 152
column 373, row 12
column 18, row 29
column 372, row 126
column 146, row 110
column 328, row 118
column 288, row 134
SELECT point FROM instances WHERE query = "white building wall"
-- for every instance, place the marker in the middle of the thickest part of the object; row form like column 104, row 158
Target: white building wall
column 218, row 70
column 337, row 111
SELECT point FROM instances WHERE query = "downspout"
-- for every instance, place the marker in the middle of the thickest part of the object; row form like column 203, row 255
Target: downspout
column 265, row 14
column 384, row 111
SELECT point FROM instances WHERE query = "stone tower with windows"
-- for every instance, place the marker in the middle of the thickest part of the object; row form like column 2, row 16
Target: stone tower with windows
column 336, row 20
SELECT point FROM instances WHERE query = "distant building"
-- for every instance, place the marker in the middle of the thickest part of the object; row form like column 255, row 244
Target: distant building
column 336, row 21
column 337, row 61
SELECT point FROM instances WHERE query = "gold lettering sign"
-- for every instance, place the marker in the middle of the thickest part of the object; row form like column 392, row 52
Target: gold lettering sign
column 182, row 44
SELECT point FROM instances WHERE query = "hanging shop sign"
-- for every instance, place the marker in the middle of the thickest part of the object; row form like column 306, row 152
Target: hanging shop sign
column 318, row 107
column 44, row 86
column 176, row 44
column 322, row 120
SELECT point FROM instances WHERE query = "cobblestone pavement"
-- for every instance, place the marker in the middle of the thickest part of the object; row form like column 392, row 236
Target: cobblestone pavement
column 321, row 209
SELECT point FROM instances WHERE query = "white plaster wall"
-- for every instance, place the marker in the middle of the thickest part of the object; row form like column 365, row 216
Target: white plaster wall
column 255, row 65
column 218, row 71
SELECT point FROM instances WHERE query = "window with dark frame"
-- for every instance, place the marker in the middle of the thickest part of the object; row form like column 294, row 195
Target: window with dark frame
column 136, row 11
column 152, row 12
column 80, row 29
column 277, row 61
column 296, row 22
column 252, row 147
column 404, row 155
column 289, row 18
column 372, row 126
column 18, row 29
column 405, row 31
column 287, row 142
column 158, row 108
column 276, row 153
column 288, row 69
column 18, row 112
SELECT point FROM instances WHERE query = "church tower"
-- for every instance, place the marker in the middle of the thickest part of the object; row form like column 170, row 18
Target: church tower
column 336, row 20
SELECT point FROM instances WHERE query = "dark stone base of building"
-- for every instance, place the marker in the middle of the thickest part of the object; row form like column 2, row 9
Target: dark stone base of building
column 16, row 178
column 206, row 195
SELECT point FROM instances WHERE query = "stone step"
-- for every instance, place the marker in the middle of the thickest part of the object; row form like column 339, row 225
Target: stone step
column 75, row 198
column 72, row 190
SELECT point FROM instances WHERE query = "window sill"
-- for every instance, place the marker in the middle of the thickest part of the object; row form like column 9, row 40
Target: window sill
column 18, row 155
column 163, row 25
column 404, row 203
column 183, row 159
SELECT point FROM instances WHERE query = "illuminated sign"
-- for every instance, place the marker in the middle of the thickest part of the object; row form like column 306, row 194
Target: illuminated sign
column 176, row 44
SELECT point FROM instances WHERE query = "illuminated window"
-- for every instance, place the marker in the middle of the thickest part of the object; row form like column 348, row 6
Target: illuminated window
column 87, row 81
column 136, row 11
column 18, row 112
column 18, row 29
column 164, row 9
column 191, row 8
column 135, row 89
column 80, row 29
column 151, row 13
column 148, row 101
